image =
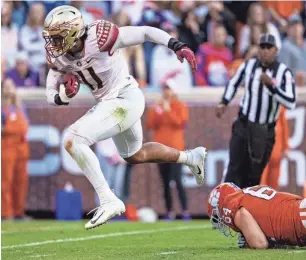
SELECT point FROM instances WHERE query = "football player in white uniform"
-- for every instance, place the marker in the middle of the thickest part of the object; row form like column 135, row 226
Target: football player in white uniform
column 92, row 54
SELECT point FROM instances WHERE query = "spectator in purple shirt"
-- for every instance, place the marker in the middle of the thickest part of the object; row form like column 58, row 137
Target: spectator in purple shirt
column 22, row 74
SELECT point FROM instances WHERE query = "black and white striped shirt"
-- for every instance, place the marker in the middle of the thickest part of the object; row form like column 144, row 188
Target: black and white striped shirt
column 261, row 104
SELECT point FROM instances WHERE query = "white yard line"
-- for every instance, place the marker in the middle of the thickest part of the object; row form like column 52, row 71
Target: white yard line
column 297, row 251
column 5, row 232
column 168, row 253
column 117, row 234
column 40, row 256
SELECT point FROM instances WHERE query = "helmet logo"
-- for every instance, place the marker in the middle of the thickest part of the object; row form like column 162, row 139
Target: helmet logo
column 214, row 198
column 64, row 25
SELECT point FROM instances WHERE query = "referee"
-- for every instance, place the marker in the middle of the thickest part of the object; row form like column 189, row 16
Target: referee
column 268, row 84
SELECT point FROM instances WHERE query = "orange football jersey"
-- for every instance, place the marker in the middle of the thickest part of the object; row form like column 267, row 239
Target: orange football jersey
column 281, row 216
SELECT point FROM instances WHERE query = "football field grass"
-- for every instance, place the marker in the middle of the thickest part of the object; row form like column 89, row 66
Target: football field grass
column 124, row 240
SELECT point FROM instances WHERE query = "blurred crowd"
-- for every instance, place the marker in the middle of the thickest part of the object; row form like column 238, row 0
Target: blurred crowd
column 222, row 34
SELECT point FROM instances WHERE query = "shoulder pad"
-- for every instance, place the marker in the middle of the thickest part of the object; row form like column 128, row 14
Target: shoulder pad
column 107, row 34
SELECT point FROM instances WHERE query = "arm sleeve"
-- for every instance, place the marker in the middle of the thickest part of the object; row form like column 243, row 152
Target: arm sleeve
column 51, row 86
column 234, row 83
column 134, row 35
column 285, row 93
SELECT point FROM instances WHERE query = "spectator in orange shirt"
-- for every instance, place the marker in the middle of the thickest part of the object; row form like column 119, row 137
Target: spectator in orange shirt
column 167, row 119
column 15, row 155
column 271, row 173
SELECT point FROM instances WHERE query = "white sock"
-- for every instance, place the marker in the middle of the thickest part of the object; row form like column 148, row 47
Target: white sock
column 184, row 158
column 89, row 163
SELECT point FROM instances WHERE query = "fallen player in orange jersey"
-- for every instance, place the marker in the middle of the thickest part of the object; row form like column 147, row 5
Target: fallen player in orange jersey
column 264, row 217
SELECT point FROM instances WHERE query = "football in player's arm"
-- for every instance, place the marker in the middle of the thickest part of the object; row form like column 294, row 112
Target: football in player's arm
column 263, row 217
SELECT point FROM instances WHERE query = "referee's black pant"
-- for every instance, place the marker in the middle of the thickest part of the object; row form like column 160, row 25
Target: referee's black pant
column 250, row 149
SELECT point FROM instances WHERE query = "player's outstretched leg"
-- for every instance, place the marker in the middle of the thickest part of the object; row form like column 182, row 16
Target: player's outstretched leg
column 110, row 205
column 156, row 152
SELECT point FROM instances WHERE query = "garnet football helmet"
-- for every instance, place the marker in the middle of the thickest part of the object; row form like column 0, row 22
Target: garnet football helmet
column 63, row 26
column 216, row 197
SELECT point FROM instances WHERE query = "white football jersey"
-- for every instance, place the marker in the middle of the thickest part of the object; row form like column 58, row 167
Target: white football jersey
column 104, row 73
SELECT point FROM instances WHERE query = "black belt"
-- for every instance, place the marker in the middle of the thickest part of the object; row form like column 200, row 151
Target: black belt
column 245, row 120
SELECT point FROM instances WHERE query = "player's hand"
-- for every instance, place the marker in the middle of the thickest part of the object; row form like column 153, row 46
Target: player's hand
column 266, row 80
column 188, row 54
column 220, row 110
column 241, row 241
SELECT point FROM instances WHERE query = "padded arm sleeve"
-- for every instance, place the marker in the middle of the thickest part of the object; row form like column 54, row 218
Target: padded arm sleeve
column 134, row 35
column 51, row 86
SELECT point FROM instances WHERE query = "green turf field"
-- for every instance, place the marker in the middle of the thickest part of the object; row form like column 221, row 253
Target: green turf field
column 121, row 240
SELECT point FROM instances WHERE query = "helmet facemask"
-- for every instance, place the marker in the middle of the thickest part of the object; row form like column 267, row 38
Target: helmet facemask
column 217, row 195
column 218, row 223
column 58, row 44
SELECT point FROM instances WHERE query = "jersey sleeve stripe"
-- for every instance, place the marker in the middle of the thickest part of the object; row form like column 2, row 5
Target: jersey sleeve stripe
column 107, row 34
column 303, row 204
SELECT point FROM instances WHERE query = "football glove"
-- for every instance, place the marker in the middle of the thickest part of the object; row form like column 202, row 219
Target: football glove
column 182, row 52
